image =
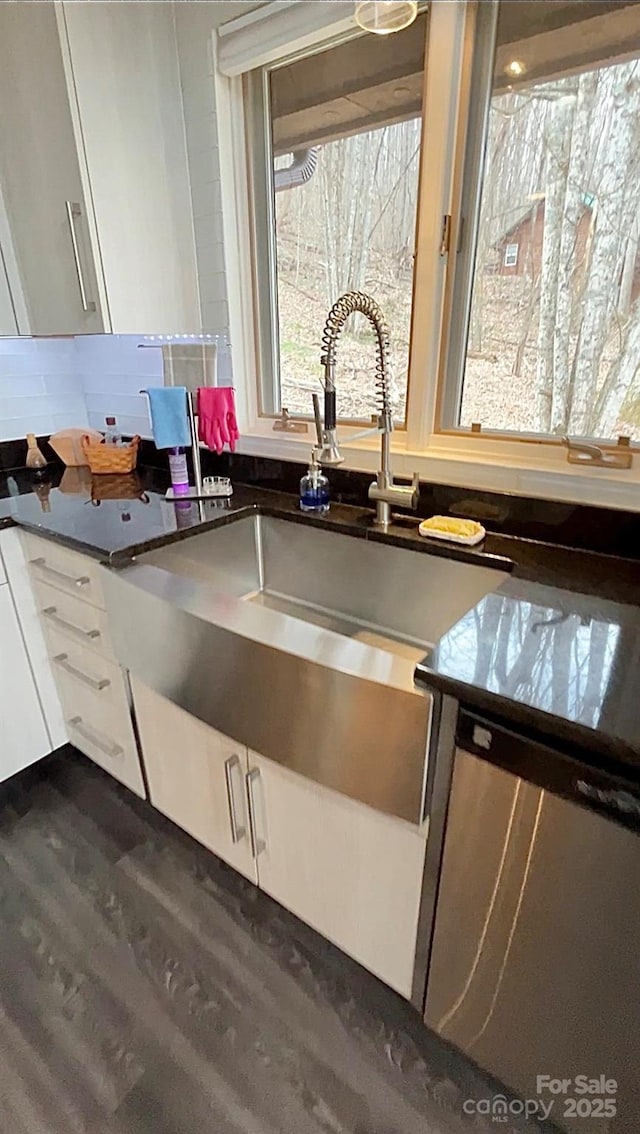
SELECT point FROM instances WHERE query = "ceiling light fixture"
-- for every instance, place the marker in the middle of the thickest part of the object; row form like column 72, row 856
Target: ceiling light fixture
column 515, row 68
column 385, row 16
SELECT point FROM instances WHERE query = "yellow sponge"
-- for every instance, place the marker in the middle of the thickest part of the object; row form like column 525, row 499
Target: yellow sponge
column 449, row 527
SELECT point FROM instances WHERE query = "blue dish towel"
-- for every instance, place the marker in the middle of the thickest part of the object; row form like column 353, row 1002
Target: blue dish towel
column 169, row 419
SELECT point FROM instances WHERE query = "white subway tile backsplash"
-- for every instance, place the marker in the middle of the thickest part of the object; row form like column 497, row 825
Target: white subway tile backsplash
column 52, row 384
column 40, row 387
column 19, row 365
column 129, row 425
column 109, row 403
column 12, row 429
column 65, row 383
column 73, row 406
column 19, row 386
column 17, row 346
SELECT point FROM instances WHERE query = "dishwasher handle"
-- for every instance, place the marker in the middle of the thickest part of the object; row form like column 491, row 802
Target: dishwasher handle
column 553, row 769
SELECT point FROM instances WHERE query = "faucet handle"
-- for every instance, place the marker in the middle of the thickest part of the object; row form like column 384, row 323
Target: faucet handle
column 316, row 413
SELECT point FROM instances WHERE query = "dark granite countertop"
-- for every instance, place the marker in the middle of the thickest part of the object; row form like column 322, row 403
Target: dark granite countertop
column 559, row 664
column 554, row 650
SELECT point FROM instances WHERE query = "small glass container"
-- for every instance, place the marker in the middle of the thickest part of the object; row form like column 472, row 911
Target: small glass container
column 314, row 487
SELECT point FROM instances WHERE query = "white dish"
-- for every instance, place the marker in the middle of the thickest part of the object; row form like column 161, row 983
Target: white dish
column 449, row 537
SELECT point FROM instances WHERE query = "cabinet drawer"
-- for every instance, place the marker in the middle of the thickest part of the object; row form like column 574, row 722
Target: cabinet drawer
column 118, row 757
column 63, row 614
column 82, row 673
column 66, row 570
column 96, row 711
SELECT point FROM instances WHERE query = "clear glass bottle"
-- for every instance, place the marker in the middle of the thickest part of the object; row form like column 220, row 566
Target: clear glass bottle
column 36, row 460
column 314, row 487
column 112, row 434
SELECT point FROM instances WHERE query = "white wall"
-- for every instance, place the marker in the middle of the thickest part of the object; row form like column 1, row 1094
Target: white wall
column 41, row 389
column 195, row 23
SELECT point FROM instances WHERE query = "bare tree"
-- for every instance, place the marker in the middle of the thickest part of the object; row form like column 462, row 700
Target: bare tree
column 615, row 207
column 579, row 169
column 558, row 143
column 605, row 409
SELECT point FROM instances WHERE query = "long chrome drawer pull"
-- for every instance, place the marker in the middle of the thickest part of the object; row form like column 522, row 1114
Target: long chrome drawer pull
column 74, row 211
column 257, row 844
column 96, row 684
column 238, row 830
column 41, row 564
column 50, row 613
column 112, row 750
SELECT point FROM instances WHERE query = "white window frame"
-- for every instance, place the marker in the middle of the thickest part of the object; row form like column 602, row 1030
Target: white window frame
column 530, row 466
column 511, row 255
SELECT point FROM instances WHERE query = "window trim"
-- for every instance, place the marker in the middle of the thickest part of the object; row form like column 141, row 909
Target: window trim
column 489, row 461
column 466, row 201
column 267, row 330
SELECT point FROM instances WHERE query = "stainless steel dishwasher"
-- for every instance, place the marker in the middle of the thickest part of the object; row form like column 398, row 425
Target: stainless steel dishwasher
column 535, row 961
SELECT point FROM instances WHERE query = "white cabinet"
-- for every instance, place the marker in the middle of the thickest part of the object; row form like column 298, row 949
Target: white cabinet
column 23, row 735
column 8, row 314
column 93, row 168
column 351, row 873
column 30, row 718
column 92, row 687
column 40, row 175
column 123, row 59
column 196, row 777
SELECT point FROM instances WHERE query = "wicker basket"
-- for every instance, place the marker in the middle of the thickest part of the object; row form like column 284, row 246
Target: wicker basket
column 103, row 458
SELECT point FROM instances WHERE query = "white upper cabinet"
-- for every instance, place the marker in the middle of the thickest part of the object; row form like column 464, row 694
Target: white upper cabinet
column 40, row 176
column 123, row 59
column 93, row 169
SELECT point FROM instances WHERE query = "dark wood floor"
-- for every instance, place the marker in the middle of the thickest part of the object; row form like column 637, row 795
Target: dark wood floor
column 145, row 988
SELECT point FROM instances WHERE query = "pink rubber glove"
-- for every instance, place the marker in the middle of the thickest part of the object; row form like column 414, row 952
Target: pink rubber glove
column 217, row 423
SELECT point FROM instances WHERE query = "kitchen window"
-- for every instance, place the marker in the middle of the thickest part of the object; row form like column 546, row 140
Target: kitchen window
column 544, row 337
column 512, row 288
column 335, row 140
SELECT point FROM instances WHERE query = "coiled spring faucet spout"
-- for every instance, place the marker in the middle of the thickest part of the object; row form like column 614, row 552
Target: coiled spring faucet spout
column 383, row 489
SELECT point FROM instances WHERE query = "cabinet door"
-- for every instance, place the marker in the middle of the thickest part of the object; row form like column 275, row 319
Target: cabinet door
column 353, row 874
column 196, row 777
column 8, row 321
column 40, row 176
column 12, row 549
column 122, row 70
column 23, row 734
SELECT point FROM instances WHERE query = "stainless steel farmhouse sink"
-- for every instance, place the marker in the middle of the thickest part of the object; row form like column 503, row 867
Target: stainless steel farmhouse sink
column 299, row 643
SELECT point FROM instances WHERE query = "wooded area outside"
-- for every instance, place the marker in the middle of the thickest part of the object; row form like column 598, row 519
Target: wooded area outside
column 554, row 331
column 554, row 344
column 351, row 225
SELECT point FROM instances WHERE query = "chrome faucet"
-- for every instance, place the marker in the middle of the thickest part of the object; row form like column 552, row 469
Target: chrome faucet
column 383, row 489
